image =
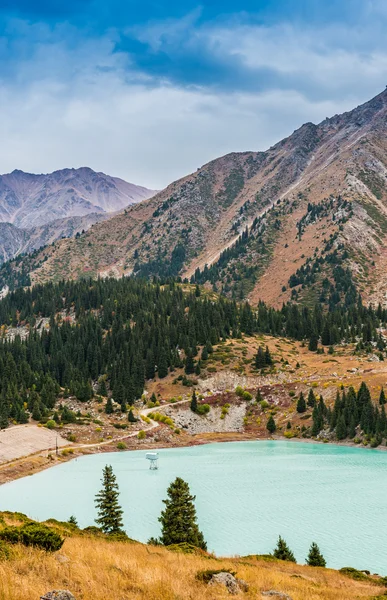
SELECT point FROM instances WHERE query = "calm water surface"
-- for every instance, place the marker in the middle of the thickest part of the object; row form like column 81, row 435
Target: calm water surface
column 247, row 494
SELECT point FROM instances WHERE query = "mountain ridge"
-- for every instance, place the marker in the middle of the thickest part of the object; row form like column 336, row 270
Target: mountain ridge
column 42, row 208
column 204, row 214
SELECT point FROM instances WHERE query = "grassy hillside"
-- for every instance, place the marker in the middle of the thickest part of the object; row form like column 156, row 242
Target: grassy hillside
column 95, row 568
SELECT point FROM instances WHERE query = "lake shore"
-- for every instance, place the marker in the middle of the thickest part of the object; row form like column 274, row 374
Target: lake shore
column 34, row 463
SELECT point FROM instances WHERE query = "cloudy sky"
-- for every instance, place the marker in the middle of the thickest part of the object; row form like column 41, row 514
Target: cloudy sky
column 151, row 90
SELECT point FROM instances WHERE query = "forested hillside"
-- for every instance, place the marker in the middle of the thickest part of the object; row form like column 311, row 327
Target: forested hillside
column 121, row 333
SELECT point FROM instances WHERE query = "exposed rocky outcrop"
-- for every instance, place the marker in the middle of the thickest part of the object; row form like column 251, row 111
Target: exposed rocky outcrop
column 58, row 595
column 233, row 585
column 212, row 422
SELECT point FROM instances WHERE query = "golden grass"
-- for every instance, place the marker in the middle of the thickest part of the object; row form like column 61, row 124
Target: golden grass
column 101, row 570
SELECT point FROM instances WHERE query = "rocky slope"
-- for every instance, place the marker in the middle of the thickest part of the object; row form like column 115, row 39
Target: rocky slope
column 315, row 200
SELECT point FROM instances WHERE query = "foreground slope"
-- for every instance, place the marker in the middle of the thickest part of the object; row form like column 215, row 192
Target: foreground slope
column 94, row 568
column 338, row 167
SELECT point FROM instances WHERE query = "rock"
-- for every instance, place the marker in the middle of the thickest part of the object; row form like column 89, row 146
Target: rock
column 232, row 584
column 62, row 558
column 58, row 595
column 277, row 595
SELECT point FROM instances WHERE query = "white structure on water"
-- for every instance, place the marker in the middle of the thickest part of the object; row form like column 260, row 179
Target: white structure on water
column 153, row 458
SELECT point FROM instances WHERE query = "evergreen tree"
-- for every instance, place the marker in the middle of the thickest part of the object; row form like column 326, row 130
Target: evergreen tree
column 178, row 520
column 270, row 425
column 382, row 397
column 260, row 361
column 189, row 364
column 315, row 558
column 36, row 414
column 4, row 412
column 341, row 428
column 102, row 390
column 194, row 402
column 301, row 404
column 73, row 521
column 109, row 511
column 109, row 406
column 258, row 396
column 131, row 417
column 311, row 399
column 283, row 552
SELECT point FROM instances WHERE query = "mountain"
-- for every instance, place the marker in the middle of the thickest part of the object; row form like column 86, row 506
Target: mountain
column 304, row 220
column 28, row 200
column 39, row 209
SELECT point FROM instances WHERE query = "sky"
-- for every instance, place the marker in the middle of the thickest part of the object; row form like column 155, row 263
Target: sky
column 151, row 90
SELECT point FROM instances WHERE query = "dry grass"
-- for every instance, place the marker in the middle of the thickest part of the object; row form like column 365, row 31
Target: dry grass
column 101, row 570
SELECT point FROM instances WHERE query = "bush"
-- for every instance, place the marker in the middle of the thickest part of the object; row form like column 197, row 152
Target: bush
column 239, row 391
column 203, row 409
column 264, row 404
column 247, row 396
column 141, row 435
column 33, row 534
column 121, row 446
column 51, row 424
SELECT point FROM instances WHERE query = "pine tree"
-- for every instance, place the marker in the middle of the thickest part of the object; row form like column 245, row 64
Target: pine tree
column 131, row 417
column 311, row 399
column 109, row 511
column 73, row 521
column 178, row 520
column 341, row 428
column 102, row 391
column 194, row 402
column 301, row 404
column 283, row 552
column 270, row 425
column 382, row 397
column 260, row 361
column 36, row 414
column 4, row 411
column 109, row 407
column 315, row 558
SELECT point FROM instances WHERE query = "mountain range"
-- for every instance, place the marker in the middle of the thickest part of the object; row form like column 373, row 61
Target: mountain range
column 36, row 210
column 306, row 216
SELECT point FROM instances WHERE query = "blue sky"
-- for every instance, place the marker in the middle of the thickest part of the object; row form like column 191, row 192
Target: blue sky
column 150, row 90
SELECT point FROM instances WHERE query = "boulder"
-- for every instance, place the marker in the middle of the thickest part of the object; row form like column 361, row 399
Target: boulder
column 277, row 595
column 232, row 584
column 58, row 595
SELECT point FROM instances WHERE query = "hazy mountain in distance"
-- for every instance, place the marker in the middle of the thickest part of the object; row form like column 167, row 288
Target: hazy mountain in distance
column 29, row 200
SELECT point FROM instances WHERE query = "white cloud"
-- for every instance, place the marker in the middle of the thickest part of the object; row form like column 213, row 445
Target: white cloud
column 80, row 104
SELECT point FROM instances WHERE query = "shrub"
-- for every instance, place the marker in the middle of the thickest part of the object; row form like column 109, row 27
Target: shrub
column 121, row 446
column 247, row 396
column 141, row 435
column 4, row 551
column 203, row 409
column 239, row 391
column 264, row 404
column 33, row 534
column 50, row 424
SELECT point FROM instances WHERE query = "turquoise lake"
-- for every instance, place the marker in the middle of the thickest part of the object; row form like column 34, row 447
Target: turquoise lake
column 247, row 493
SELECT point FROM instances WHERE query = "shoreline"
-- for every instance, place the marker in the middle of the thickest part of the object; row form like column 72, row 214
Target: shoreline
column 37, row 462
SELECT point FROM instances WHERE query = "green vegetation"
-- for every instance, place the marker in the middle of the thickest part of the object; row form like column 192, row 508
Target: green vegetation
column 33, row 534
column 109, row 511
column 283, row 552
column 315, row 558
column 178, row 520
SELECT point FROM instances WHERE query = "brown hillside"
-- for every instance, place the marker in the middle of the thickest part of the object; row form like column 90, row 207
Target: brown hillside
column 204, row 213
